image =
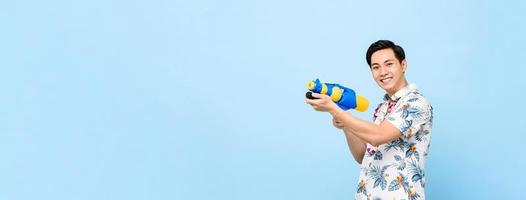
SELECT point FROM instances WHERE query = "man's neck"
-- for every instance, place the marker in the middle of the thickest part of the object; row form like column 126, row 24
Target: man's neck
column 392, row 93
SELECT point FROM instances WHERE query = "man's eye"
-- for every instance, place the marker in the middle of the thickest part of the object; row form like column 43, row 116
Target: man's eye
column 389, row 64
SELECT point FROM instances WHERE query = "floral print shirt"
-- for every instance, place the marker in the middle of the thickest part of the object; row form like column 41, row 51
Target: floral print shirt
column 395, row 170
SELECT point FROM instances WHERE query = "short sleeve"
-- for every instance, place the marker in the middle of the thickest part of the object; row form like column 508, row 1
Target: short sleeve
column 409, row 115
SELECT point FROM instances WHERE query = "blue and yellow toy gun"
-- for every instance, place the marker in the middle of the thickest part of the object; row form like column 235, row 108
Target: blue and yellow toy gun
column 344, row 97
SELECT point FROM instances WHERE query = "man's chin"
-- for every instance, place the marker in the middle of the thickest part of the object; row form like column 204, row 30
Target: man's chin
column 386, row 87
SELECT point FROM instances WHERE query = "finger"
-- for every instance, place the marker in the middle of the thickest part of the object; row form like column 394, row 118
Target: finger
column 323, row 98
column 313, row 101
column 317, row 95
column 310, row 101
column 314, row 105
column 337, row 125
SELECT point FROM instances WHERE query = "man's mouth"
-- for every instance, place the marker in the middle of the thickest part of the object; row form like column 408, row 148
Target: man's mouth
column 386, row 80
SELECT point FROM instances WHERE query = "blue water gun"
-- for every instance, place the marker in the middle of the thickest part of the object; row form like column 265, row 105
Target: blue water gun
column 344, row 97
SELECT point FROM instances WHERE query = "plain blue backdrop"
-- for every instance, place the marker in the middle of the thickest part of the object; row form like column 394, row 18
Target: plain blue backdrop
column 204, row 99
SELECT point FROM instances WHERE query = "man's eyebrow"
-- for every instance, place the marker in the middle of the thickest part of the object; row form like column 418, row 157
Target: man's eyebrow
column 384, row 62
column 388, row 60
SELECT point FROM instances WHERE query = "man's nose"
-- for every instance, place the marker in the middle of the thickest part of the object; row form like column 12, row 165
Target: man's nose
column 383, row 71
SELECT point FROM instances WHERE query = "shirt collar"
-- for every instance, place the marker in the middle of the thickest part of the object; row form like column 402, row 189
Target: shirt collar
column 401, row 93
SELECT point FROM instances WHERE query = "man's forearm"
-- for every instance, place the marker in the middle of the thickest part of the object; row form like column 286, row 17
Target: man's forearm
column 363, row 130
column 356, row 145
column 374, row 134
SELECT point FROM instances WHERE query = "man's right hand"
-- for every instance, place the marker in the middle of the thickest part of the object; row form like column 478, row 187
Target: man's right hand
column 337, row 123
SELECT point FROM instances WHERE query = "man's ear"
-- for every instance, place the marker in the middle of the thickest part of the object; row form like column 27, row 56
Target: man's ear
column 404, row 65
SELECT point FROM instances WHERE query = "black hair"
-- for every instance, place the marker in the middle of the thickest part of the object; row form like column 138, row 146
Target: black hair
column 385, row 44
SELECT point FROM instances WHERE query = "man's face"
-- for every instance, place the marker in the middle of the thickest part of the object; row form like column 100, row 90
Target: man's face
column 387, row 71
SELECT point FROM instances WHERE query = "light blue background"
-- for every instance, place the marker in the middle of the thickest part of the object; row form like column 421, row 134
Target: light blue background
column 205, row 99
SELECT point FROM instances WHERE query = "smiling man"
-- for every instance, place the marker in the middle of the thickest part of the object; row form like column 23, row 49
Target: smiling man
column 391, row 149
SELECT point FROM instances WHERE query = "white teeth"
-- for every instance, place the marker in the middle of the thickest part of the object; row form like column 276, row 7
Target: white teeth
column 386, row 80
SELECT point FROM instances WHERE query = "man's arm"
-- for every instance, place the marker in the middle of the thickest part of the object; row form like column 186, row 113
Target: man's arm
column 374, row 134
column 356, row 145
